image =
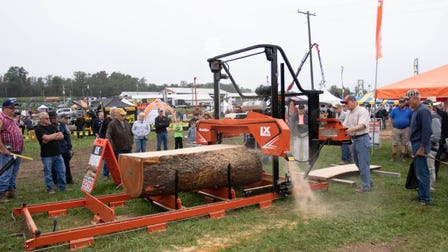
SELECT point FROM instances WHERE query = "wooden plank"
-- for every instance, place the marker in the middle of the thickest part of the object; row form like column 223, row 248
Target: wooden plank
column 330, row 172
column 388, row 174
column 344, row 181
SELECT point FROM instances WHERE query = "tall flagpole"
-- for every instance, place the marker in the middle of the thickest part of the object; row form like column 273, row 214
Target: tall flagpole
column 379, row 18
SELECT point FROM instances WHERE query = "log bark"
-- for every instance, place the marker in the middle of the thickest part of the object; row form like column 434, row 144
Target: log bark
column 154, row 173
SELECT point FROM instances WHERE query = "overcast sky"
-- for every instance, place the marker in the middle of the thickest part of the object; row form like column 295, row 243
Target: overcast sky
column 170, row 41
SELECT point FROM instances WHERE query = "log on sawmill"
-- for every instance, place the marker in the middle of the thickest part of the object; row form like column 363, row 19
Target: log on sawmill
column 154, row 173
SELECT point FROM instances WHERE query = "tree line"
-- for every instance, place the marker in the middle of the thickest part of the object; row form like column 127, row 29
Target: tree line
column 16, row 82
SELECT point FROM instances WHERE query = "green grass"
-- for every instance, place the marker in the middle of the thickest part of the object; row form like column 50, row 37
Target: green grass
column 340, row 220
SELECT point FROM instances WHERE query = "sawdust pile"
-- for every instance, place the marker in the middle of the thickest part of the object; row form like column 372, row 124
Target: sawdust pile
column 308, row 204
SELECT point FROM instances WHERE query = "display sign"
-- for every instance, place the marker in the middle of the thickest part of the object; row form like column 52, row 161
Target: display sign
column 102, row 150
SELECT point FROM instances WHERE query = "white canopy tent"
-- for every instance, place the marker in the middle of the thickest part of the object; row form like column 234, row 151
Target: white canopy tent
column 325, row 98
column 328, row 98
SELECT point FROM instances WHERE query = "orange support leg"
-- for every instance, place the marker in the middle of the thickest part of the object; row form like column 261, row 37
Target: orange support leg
column 81, row 243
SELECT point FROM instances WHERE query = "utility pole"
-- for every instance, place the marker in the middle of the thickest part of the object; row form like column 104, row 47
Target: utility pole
column 308, row 14
column 63, row 92
column 416, row 66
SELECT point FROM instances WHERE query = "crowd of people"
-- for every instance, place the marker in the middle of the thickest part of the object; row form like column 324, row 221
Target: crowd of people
column 419, row 130
column 54, row 137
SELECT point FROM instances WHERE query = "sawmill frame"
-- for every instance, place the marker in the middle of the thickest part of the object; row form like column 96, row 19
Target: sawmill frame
column 271, row 187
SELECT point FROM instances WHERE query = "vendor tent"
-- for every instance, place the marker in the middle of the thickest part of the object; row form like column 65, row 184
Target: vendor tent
column 128, row 102
column 151, row 111
column 368, row 98
column 328, row 98
column 433, row 83
column 325, row 98
column 116, row 102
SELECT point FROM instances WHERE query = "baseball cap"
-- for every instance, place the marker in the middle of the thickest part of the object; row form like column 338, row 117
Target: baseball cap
column 412, row 93
column 402, row 100
column 52, row 114
column 337, row 105
column 348, row 98
column 121, row 111
column 9, row 103
column 428, row 102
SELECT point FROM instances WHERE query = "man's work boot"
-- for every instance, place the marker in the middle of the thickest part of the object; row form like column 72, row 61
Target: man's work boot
column 392, row 159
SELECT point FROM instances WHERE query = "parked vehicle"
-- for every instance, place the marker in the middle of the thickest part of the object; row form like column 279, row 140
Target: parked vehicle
column 64, row 111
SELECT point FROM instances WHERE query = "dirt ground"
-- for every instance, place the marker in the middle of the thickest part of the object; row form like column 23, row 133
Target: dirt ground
column 34, row 169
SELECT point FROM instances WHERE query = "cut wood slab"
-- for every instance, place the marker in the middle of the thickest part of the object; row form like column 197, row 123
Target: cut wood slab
column 154, row 173
column 344, row 181
column 330, row 172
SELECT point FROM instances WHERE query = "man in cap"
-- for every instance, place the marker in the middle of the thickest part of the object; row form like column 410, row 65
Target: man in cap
column 97, row 123
column 11, row 141
column 80, row 126
column 161, row 123
column 119, row 133
column 65, row 144
column 400, row 119
column 357, row 123
column 420, row 137
column 102, row 134
column 49, row 136
column 436, row 127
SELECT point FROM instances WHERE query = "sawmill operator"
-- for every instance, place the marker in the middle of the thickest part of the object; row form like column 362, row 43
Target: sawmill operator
column 357, row 123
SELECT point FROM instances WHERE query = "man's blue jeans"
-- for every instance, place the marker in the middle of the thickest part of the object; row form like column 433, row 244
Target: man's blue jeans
column 8, row 179
column 361, row 157
column 105, row 170
column 162, row 137
column 55, row 163
column 346, row 153
column 422, row 173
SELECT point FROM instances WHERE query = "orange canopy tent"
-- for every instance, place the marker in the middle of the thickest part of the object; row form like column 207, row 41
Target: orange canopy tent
column 433, row 83
column 151, row 110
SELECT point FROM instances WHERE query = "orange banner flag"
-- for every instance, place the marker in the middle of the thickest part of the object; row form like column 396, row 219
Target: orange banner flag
column 379, row 19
